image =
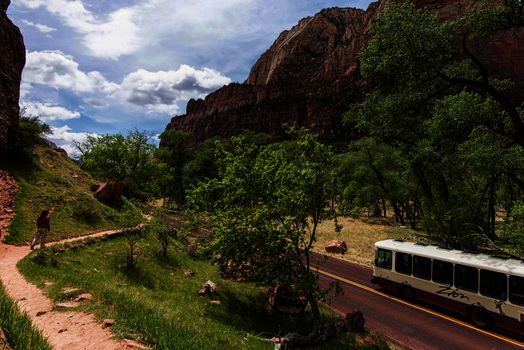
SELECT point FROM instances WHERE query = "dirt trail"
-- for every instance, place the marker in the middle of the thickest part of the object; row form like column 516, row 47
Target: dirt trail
column 69, row 330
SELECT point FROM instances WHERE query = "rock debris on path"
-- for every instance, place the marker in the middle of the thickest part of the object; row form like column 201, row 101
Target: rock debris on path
column 70, row 330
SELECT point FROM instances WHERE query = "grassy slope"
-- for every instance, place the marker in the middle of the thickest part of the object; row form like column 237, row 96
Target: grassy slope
column 18, row 327
column 156, row 304
column 51, row 180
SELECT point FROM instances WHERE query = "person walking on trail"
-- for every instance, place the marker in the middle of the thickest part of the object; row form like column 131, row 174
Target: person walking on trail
column 42, row 228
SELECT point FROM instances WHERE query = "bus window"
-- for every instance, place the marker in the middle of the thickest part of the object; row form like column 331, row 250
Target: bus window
column 467, row 278
column 384, row 258
column 516, row 290
column 493, row 284
column 422, row 267
column 403, row 263
column 442, row 272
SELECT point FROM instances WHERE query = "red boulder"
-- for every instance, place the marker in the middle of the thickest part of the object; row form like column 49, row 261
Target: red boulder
column 336, row 246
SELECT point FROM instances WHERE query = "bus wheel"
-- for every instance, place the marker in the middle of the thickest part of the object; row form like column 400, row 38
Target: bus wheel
column 407, row 293
column 479, row 317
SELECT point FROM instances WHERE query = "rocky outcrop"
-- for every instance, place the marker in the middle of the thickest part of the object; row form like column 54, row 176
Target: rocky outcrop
column 12, row 61
column 8, row 190
column 310, row 76
column 109, row 192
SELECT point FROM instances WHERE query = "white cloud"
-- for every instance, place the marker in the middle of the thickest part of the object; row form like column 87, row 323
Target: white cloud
column 63, row 137
column 60, row 71
column 156, row 22
column 161, row 91
column 155, row 92
column 49, row 112
column 108, row 37
column 116, row 37
column 72, row 12
column 40, row 27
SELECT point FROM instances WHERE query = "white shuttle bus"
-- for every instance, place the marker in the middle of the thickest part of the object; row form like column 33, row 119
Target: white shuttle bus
column 488, row 289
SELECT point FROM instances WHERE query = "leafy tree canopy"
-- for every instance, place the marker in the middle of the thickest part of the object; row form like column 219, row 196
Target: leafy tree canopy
column 265, row 207
column 415, row 58
column 126, row 158
column 456, row 128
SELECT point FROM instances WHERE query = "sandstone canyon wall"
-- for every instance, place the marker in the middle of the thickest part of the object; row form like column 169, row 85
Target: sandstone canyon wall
column 12, row 61
column 310, row 75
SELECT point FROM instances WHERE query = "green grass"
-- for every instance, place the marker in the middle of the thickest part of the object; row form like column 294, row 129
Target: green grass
column 51, row 180
column 157, row 305
column 18, row 328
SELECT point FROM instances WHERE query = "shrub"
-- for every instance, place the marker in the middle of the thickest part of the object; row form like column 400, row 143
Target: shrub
column 159, row 228
column 87, row 209
column 30, row 133
column 131, row 218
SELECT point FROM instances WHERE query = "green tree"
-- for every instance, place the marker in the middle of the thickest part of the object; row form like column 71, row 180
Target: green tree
column 119, row 157
column 415, row 58
column 265, row 208
column 174, row 152
column 376, row 175
column 31, row 132
column 513, row 228
column 203, row 162
column 160, row 229
column 131, row 220
column 433, row 100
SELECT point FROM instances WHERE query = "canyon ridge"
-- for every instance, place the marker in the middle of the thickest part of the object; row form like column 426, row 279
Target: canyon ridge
column 310, row 75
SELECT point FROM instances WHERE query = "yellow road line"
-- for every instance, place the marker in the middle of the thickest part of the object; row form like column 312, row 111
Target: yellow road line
column 464, row 324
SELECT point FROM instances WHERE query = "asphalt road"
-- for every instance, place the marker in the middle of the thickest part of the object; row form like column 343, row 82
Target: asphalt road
column 413, row 326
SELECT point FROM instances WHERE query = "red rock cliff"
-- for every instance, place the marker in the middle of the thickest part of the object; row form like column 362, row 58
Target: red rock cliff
column 310, row 75
column 12, row 61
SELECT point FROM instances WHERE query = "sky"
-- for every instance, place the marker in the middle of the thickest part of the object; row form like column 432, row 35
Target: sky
column 98, row 67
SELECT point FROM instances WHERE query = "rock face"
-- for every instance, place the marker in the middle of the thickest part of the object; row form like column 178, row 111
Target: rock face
column 310, row 76
column 12, row 61
column 8, row 190
column 110, row 192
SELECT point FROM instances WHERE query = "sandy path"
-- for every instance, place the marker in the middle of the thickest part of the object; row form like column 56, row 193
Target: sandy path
column 69, row 330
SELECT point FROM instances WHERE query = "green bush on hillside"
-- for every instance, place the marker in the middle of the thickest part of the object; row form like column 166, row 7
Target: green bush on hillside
column 87, row 209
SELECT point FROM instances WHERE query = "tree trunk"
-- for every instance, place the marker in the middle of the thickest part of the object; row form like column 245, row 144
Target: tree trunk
column 398, row 214
column 315, row 311
column 492, row 211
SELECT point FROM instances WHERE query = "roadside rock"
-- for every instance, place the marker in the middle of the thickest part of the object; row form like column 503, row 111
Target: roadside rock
column 70, row 290
column 209, row 288
column 355, row 321
column 131, row 344
column 189, row 273
column 367, row 341
column 336, row 246
column 67, row 305
column 108, row 323
column 286, row 300
column 86, row 297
